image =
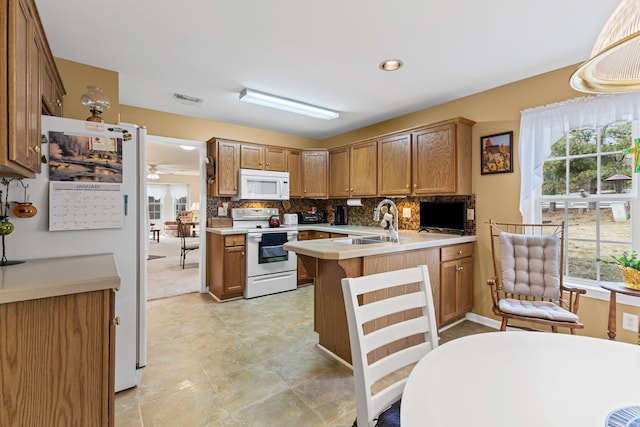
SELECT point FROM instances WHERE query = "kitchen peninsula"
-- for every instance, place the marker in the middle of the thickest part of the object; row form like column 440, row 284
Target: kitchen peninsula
column 448, row 257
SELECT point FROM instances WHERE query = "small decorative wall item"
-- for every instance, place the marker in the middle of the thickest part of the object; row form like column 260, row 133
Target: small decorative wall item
column 24, row 209
column 6, row 227
column 497, row 153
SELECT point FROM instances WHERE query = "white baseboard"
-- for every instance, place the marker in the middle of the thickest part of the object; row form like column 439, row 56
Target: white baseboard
column 476, row 318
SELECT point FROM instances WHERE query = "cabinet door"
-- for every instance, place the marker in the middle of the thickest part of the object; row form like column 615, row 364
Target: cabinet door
column 227, row 163
column 364, row 172
column 456, row 289
column 234, row 269
column 339, row 172
column 51, row 91
column 303, row 274
column 448, row 291
column 23, row 65
column 465, row 286
column 294, row 166
column 394, row 165
column 276, row 159
column 251, row 156
column 434, row 160
column 315, row 164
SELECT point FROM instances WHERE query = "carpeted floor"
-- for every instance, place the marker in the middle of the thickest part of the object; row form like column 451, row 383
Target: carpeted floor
column 165, row 276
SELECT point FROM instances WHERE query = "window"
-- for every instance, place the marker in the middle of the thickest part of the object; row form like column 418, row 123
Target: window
column 588, row 183
column 155, row 209
column 180, row 204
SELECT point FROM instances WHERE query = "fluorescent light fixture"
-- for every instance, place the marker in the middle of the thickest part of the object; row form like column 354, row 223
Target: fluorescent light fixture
column 188, row 147
column 273, row 101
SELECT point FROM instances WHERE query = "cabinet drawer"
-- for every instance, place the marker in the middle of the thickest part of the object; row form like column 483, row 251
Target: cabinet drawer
column 303, row 235
column 449, row 253
column 234, row 240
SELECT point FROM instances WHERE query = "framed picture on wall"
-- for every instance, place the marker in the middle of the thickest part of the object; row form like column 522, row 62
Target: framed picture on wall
column 497, row 153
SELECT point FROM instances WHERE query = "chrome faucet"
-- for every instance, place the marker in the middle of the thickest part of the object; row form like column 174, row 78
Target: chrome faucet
column 393, row 229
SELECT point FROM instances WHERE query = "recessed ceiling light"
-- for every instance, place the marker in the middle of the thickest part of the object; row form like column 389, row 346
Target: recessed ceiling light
column 188, row 147
column 391, row 65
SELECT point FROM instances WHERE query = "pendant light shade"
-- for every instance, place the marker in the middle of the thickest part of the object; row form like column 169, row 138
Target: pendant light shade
column 614, row 65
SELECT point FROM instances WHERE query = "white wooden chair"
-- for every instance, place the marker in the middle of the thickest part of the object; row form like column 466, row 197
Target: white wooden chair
column 408, row 318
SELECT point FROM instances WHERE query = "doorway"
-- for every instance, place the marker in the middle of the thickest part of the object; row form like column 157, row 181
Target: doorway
column 174, row 187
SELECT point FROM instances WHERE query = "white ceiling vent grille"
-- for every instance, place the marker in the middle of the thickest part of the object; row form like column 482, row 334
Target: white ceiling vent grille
column 187, row 100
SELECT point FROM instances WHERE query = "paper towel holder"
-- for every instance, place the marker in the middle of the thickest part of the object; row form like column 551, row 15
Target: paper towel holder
column 354, row 202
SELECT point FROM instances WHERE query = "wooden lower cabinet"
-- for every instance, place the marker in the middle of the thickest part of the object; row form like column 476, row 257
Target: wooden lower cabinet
column 305, row 277
column 226, row 265
column 456, row 282
column 57, row 361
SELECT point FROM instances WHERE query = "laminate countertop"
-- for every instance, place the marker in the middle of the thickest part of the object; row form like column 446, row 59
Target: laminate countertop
column 340, row 248
column 50, row 277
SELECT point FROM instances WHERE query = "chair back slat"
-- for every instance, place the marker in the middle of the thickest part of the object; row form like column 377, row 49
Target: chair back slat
column 405, row 330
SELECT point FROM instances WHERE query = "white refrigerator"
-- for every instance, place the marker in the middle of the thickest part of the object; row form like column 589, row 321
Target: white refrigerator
column 64, row 227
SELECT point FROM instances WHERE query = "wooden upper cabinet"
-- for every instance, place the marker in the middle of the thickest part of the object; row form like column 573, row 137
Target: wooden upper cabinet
column 276, row 159
column 339, row 172
column 294, row 167
column 442, row 158
column 352, row 170
column 26, row 60
column 363, row 168
column 315, row 165
column 225, row 156
column 251, row 156
column 394, row 165
column 52, row 89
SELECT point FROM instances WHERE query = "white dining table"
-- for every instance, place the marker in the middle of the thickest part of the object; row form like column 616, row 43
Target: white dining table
column 521, row 379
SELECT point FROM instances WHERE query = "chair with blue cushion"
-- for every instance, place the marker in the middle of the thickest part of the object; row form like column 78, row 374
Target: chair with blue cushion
column 527, row 285
column 392, row 325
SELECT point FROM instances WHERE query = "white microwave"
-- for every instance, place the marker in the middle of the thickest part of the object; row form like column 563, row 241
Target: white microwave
column 256, row 184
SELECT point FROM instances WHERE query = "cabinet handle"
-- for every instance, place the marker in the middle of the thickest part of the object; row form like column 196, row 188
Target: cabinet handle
column 235, row 241
column 36, row 149
column 242, row 253
column 459, row 268
column 415, row 185
column 259, row 163
column 117, row 320
column 459, row 251
column 305, row 191
column 351, row 189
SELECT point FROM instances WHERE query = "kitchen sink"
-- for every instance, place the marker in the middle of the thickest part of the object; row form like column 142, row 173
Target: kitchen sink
column 367, row 240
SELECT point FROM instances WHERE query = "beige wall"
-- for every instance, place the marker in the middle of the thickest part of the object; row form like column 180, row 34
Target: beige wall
column 494, row 111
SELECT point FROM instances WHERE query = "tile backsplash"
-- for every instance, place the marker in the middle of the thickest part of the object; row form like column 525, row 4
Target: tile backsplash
column 356, row 215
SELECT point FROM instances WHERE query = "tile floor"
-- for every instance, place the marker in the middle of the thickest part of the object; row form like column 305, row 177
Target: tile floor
column 241, row 363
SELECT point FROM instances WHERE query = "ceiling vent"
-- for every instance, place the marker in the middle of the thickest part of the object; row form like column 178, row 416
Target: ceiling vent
column 187, row 100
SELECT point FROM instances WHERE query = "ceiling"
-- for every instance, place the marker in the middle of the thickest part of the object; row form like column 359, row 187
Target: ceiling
column 324, row 53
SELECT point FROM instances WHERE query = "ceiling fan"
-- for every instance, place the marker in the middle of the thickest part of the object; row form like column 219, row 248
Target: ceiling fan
column 152, row 172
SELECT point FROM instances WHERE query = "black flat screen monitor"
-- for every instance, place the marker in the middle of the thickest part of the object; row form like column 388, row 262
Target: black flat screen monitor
column 442, row 216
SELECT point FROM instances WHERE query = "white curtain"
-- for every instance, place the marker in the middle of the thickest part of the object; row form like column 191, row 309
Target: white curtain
column 178, row 191
column 541, row 127
column 156, row 191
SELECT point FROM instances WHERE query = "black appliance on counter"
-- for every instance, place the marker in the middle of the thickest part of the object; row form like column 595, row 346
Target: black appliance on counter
column 340, row 215
column 311, row 218
column 443, row 216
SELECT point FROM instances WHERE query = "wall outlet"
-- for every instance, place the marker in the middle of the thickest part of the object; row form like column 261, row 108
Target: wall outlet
column 630, row 322
column 406, row 212
column 471, row 214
